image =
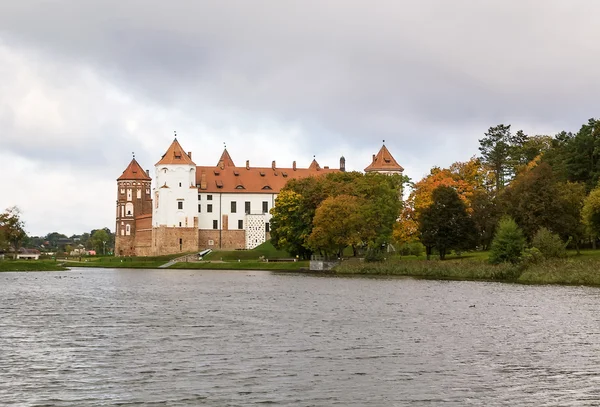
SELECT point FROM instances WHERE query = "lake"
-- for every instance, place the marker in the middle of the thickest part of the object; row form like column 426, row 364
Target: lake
column 89, row 337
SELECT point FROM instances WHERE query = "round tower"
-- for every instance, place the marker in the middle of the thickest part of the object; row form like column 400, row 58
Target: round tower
column 134, row 209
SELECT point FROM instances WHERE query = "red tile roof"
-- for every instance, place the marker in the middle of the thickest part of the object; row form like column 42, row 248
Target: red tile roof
column 384, row 161
column 175, row 155
column 252, row 179
column 134, row 171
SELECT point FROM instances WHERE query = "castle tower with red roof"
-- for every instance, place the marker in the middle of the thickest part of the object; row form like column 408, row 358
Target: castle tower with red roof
column 384, row 163
column 133, row 231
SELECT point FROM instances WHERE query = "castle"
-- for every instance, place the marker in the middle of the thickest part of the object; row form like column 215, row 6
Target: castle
column 193, row 208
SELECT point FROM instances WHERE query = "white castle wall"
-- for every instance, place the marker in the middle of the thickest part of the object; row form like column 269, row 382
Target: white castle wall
column 175, row 184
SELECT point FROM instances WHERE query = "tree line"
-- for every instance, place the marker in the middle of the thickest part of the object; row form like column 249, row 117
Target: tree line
column 540, row 182
column 13, row 237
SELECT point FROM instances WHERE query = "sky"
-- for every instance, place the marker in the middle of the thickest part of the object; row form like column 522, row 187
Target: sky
column 84, row 84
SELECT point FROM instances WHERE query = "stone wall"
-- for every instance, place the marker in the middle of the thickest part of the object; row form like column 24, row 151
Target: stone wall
column 143, row 235
column 170, row 240
column 224, row 239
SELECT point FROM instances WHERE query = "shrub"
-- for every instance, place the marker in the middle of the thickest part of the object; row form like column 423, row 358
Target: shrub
column 508, row 242
column 549, row 244
column 374, row 255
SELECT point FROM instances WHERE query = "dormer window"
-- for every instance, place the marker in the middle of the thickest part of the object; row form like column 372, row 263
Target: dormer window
column 266, row 187
column 262, row 174
column 240, row 187
column 217, row 172
column 219, row 183
column 284, row 174
column 387, row 160
column 236, row 173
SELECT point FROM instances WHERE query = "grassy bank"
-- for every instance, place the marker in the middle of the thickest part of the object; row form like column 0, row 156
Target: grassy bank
column 243, row 265
column 123, row 262
column 574, row 270
column 455, row 269
column 31, row 265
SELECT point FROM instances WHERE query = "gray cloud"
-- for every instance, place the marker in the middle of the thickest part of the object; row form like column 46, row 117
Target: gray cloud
column 100, row 79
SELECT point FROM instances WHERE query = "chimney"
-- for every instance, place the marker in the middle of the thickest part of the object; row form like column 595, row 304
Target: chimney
column 342, row 164
column 326, row 167
column 190, row 154
column 203, row 180
column 294, row 165
column 247, row 164
column 373, row 157
column 273, row 164
column 148, row 172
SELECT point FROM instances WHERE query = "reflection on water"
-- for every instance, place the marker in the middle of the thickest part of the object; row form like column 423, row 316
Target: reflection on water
column 186, row 338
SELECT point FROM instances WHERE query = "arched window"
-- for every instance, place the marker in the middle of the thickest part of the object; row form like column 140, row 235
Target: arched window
column 129, row 209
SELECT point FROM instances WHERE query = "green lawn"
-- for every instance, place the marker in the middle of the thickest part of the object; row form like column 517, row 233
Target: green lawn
column 243, row 265
column 31, row 265
column 265, row 250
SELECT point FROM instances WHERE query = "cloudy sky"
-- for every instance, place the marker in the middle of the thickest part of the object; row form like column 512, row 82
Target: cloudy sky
column 86, row 83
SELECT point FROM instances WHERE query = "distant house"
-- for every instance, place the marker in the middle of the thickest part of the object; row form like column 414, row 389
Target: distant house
column 29, row 254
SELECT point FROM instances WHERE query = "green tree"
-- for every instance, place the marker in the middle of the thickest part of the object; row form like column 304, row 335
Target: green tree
column 591, row 212
column 536, row 199
column 290, row 224
column 12, row 229
column 337, row 224
column 508, row 242
column 549, row 244
column 497, row 151
column 293, row 214
column 445, row 224
column 100, row 238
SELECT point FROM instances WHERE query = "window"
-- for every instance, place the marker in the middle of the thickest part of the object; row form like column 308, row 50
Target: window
column 209, row 208
column 233, row 207
column 215, row 224
column 180, row 184
column 179, row 224
column 180, row 244
column 199, row 208
column 240, row 224
column 199, row 197
column 209, row 197
column 179, row 204
column 265, row 206
column 247, row 206
column 139, row 194
column 267, row 227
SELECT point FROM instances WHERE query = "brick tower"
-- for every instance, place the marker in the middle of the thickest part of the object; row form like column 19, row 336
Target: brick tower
column 133, row 231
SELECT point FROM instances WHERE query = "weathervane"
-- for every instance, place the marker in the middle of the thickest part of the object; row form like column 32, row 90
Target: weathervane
column 133, row 154
column 175, row 132
column 225, row 145
column 383, row 141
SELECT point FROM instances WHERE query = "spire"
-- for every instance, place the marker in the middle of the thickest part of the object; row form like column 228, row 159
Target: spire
column 175, row 155
column 384, row 161
column 225, row 160
column 314, row 165
column 134, row 171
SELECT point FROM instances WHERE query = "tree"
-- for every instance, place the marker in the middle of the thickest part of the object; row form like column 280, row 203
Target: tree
column 504, row 152
column 99, row 240
column 549, row 244
column 445, row 224
column 12, row 228
column 591, row 212
column 290, row 226
column 337, row 224
column 508, row 242
column 294, row 212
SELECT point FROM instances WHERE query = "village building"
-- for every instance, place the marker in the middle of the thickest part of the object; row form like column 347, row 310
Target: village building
column 192, row 208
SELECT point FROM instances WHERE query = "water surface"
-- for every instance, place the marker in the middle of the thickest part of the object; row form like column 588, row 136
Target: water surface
column 89, row 337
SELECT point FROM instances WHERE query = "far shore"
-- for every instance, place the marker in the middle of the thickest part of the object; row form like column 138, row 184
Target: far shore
column 574, row 270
